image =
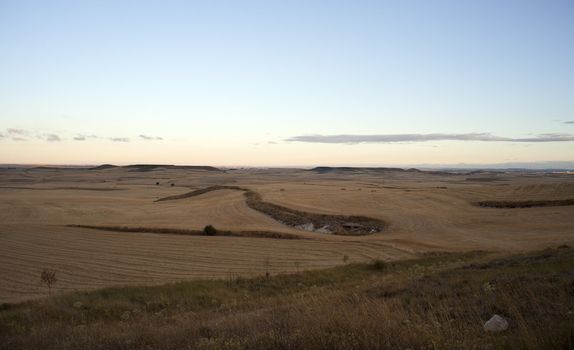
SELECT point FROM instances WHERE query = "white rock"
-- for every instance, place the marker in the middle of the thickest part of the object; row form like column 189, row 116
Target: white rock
column 307, row 227
column 496, row 324
column 324, row 229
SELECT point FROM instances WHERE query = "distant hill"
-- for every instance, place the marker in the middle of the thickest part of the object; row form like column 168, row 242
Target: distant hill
column 133, row 167
column 104, row 167
column 327, row 169
column 151, row 167
column 59, row 168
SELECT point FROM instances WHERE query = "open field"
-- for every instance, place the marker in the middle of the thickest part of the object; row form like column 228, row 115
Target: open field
column 422, row 212
column 437, row 301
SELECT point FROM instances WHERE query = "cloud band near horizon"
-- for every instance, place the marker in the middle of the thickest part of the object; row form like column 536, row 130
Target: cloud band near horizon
column 28, row 135
column 392, row 138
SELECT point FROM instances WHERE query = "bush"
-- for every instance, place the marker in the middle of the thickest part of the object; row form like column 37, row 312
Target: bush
column 379, row 265
column 209, row 231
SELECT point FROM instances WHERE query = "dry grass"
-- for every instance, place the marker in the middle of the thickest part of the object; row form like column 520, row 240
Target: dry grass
column 88, row 259
column 439, row 301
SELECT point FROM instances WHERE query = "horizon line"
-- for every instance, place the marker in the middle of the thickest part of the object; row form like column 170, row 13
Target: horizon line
column 535, row 165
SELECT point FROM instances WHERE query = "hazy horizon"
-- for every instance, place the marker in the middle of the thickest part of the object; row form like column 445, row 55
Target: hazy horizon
column 551, row 165
column 298, row 83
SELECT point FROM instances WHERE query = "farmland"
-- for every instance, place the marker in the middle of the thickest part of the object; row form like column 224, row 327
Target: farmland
column 422, row 212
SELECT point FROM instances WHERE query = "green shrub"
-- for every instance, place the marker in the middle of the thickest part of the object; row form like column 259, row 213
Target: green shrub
column 209, row 231
column 379, row 265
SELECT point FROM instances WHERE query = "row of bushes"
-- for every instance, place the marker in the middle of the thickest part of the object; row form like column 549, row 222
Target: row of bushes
column 208, row 230
column 526, row 203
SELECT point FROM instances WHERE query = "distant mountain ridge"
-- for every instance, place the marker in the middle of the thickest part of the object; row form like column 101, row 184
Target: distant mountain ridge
column 103, row 167
column 133, row 167
column 150, row 167
column 345, row 169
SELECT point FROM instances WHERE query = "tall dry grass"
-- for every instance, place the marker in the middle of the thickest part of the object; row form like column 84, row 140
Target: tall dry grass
column 437, row 302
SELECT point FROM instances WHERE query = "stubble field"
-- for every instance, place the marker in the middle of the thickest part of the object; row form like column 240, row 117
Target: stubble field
column 422, row 212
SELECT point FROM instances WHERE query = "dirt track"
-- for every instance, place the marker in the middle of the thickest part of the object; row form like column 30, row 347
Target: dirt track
column 424, row 211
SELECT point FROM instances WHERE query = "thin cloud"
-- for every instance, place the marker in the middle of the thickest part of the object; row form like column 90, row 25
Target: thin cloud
column 150, row 138
column 16, row 134
column 569, row 122
column 391, row 138
column 19, row 132
column 119, row 139
column 50, row 137
column 82, row 137
column 26, row 135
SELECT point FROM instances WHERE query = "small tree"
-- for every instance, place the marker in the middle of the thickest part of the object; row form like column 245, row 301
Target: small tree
column 209, row 231
column 48, row 277
column 267, row 264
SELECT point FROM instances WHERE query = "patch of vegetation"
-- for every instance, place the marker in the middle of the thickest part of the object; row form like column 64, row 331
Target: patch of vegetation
column 177, row 231
column 48, row 277
column 439, row 301
column 526, row 203
column 337, row 224
column 201, row 191
column 379, row 265
column 63, row 188
column 209, row 231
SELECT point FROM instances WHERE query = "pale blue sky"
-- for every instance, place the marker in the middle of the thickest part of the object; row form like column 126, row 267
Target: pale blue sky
column 218, row 80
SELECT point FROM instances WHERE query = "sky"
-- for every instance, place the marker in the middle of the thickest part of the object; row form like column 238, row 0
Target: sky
column 286, row 83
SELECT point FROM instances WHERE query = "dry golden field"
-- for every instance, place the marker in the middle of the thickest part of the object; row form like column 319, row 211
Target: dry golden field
column 423, row 211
